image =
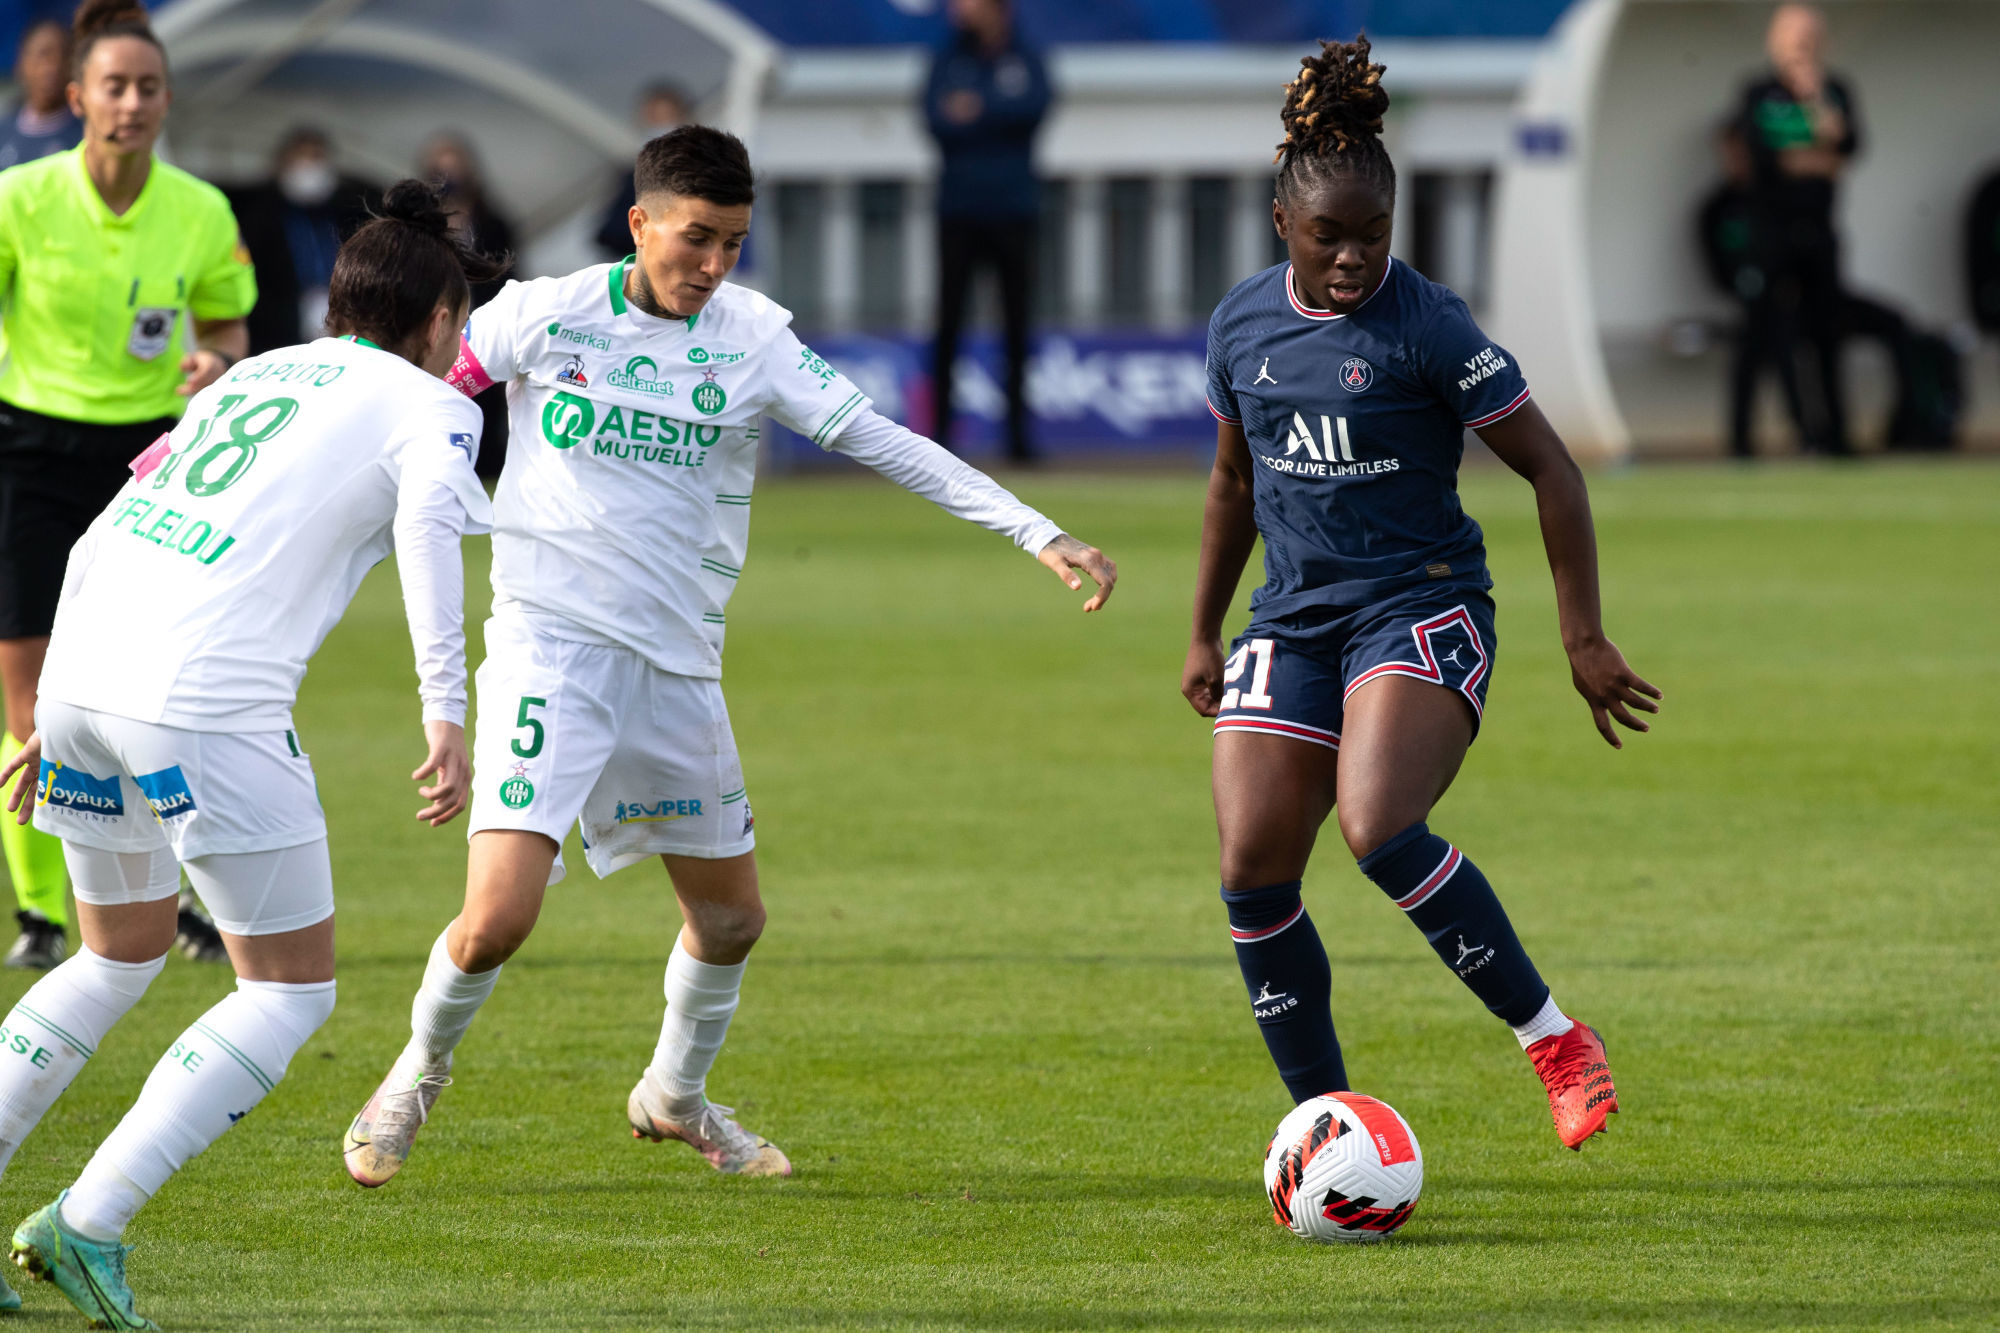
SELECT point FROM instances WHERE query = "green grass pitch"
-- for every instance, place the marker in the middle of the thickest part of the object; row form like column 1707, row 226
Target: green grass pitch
column 997, row 1023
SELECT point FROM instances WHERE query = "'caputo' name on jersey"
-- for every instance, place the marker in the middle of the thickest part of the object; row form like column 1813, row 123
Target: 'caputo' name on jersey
column 640, row 437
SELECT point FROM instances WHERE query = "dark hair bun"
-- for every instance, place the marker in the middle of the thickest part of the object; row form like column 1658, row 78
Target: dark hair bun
column 1336, row 103
column 99, row 16
column 416, row 204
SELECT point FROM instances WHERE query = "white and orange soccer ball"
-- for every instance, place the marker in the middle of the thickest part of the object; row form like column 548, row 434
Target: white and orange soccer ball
column 1343, row 1167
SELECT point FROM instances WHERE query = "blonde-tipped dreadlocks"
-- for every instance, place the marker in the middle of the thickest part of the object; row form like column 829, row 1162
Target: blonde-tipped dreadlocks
column 1333, row 121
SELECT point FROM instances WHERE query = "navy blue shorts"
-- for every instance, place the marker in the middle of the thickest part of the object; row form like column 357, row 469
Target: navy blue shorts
column 1285, row 681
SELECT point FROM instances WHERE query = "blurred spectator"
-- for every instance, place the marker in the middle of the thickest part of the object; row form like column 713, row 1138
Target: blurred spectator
column 1801, row 126
column 987, row 94
column 1736, row 248
column 293, row 225
column 42, row 124
column 1982, row 254
column 450, row 163
column 661, row 107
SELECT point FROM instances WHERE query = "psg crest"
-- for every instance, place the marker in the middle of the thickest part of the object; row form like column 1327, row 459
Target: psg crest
column 1356, row 374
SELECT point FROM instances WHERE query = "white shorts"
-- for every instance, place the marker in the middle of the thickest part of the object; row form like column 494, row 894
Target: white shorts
column 134, row 801
column 593, row 734
column 124, row 786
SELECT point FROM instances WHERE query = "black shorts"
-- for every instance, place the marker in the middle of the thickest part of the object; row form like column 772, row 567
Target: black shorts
column 56, row 476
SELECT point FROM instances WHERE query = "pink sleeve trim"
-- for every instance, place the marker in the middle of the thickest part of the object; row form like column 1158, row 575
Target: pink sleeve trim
column 1227, row 421
column 466, row 374
column 1492, row 417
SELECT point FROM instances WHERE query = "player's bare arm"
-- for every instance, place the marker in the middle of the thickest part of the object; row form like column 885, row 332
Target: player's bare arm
column 1228, row 534
column 1065, row 555
column 1527, row 443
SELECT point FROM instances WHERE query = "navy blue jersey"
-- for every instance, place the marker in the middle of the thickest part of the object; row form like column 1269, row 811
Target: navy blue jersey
column 1356, row 424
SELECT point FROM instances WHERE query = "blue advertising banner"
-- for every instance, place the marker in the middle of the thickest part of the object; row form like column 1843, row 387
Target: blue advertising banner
column 1127, row 394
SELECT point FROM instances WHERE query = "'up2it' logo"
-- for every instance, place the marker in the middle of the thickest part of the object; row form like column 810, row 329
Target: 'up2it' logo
column 567, row 419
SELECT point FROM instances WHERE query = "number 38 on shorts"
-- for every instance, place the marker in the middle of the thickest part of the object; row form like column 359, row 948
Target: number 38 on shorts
column 1289, row 683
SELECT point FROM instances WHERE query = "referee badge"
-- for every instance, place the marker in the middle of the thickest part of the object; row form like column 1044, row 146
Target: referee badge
column 1356, row 374
column 152, row 330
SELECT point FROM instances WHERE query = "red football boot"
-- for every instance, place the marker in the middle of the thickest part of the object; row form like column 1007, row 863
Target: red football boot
column 1578, row 1077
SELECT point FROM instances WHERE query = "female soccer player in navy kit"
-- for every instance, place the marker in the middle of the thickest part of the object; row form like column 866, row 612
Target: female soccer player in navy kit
column 1343, row 383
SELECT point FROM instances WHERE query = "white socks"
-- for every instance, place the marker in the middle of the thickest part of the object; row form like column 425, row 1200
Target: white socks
column 1547, row 1022
column 701, row 998
column 54, row 1029
column 444, row 1008
column 208, row 1080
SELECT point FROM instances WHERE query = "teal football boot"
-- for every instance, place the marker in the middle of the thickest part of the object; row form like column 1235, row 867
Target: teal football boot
column 9, row 1298
column 90, row 1273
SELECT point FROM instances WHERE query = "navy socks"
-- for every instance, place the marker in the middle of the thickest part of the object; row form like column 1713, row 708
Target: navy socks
column 1291, row 985
column 1451, row 902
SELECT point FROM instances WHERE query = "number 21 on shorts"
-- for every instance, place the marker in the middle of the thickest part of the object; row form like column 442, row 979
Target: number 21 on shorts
column 1257, row 652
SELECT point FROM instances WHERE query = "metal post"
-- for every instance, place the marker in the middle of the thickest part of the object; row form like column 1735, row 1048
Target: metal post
column 1168, row 282
column 1087, row 241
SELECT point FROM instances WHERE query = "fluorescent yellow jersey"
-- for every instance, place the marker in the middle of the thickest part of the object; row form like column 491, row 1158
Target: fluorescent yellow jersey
column 98, row 305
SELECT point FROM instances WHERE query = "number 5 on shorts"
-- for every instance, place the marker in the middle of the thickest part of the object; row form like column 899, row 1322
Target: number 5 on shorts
column 533, row 726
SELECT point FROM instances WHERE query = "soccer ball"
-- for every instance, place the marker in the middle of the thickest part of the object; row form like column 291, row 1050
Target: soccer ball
column 1343, row 1167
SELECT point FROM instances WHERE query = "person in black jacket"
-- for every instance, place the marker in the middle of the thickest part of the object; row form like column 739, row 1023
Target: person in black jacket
column 452, row 166
column 661, row 107
column 293, row 224
column 1801, row 126
column 986, row 96
column 1982, row 254
column 1736, row 247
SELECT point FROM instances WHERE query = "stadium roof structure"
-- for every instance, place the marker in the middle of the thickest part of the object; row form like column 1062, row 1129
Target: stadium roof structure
column 545, row 92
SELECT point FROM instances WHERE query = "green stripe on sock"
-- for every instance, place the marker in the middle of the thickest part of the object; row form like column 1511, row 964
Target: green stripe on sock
column 264, row 1080
column 81, row 1048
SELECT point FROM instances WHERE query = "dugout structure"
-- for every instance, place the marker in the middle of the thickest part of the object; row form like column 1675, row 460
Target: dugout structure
column 544, row 91
column 1595, row 261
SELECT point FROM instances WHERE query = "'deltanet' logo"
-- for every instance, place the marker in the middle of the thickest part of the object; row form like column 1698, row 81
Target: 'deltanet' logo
column 1356, row 374
column 516, row 792
column 708, row 397
column 639, row 376
column 566, row 419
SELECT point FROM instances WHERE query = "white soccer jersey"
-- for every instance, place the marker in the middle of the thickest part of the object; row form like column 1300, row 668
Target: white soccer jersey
column 623, row 514
column 196, row 598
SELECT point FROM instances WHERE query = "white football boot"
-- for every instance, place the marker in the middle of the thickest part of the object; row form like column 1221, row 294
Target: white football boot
column 729, row 1148
column 378, row 1142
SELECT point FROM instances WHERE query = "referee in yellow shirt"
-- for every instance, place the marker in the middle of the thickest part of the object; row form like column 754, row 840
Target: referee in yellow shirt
column 125, row 287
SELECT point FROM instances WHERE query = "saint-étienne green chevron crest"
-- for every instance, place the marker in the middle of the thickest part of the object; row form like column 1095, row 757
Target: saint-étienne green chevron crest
column 708, row 397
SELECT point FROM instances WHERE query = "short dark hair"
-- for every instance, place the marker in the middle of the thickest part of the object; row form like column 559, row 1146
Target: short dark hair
column 699, row 162
column 400, row 265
